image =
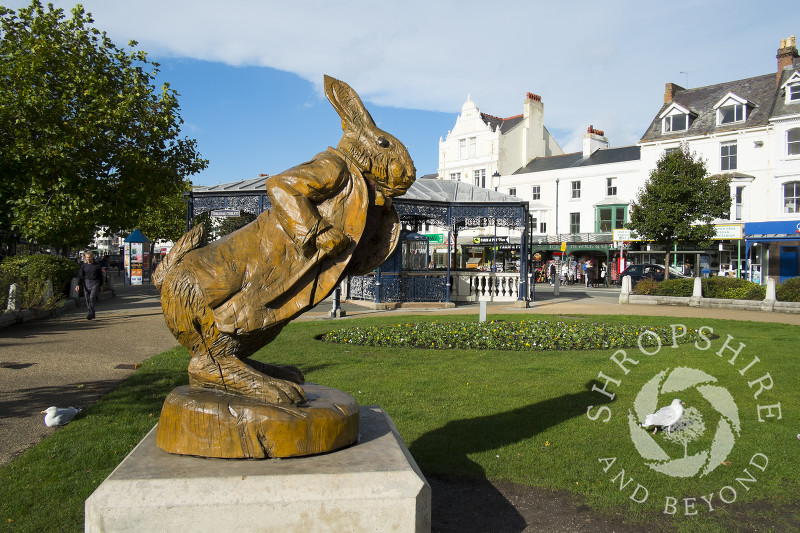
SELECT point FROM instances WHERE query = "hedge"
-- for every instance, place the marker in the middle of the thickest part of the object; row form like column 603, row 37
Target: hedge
column 30, row 272
column 720, row 287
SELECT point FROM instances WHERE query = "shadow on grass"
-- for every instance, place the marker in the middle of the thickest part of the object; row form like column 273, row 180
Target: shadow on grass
column 445, row 451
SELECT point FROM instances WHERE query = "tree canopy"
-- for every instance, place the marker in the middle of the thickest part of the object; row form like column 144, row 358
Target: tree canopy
column 86, row 140
column 680, row 201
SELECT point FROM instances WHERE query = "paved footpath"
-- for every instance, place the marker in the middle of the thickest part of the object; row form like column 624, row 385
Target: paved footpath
column 68, row 360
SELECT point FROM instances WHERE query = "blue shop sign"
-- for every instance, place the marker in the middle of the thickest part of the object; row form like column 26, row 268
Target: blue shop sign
column 783, row 228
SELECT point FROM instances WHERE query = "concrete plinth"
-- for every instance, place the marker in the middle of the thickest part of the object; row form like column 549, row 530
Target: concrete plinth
column 374, row 485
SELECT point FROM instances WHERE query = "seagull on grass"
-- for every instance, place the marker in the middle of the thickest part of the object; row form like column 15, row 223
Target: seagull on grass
column 665, row 417
column 59, row 417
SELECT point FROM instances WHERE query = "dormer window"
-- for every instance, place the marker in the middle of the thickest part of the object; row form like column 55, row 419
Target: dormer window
column 675, row 119
column 731, row 113
column 731, row 109
column 676, row 123
column 792, row 89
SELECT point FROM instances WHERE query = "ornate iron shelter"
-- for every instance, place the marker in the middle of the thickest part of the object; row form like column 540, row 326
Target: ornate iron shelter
column 451, row 205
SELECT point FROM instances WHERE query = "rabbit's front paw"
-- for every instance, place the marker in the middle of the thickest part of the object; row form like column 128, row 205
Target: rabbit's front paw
column 332, row 241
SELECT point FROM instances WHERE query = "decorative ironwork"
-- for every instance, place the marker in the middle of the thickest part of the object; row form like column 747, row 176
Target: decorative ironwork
column 426, row 288
column 362, row 287
column 251, row 203
column 421, row 213
column 391, row 288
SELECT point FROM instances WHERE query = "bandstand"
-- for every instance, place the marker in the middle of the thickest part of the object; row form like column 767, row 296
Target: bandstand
column 451, row 206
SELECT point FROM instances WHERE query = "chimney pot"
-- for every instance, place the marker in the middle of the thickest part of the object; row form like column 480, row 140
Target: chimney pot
column 787, row 53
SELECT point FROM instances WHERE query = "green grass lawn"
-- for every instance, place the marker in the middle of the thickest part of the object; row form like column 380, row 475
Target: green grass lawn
column 510, row 415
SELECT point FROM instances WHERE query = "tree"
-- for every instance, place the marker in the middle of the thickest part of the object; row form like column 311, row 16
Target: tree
column 85, row 138
column 163, row 218
column 679, row 202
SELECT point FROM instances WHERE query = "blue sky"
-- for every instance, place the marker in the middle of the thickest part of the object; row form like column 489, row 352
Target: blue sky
column 249, row 72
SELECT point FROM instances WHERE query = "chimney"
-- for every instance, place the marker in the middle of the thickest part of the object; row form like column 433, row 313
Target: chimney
column 593, row 141
column 787, row 53
column 531, row 101
column 670, row 91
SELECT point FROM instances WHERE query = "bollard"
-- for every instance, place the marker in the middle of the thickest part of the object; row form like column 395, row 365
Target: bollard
column 336, row 310
column 13, row 298
column 48, row 291
column 482, row 312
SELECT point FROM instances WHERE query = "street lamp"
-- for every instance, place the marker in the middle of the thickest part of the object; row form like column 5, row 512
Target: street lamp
column 495, row 184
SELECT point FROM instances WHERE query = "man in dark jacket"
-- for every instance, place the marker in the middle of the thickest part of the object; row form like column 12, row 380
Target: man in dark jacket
column 90, row 274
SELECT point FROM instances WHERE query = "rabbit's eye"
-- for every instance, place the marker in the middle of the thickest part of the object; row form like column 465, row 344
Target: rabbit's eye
column 383, row 142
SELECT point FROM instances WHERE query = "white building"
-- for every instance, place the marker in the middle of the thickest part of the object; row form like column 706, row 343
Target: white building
column 750, row 130
column 480, row 144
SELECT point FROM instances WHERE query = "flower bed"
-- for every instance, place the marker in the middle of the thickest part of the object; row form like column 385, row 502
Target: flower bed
column 525, row 335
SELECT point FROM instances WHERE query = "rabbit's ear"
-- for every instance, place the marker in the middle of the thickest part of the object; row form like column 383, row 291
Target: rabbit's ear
column 347, row 103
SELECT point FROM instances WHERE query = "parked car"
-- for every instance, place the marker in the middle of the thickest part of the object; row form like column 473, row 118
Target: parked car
column 647, row 270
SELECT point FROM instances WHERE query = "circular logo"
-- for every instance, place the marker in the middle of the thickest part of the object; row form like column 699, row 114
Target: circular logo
column 663, row 390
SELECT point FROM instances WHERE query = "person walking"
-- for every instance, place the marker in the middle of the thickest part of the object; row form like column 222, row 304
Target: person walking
column 90, row 275
column 604, row 274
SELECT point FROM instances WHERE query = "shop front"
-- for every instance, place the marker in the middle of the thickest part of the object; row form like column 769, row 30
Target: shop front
column 773, row 250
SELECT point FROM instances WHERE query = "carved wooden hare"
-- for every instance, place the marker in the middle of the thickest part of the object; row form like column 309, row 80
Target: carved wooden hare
column 330, row 217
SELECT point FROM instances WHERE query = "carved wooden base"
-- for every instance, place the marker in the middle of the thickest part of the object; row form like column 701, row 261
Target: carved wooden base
column 210, row 423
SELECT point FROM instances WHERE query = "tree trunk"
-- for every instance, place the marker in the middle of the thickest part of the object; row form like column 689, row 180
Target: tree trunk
column 666, row 265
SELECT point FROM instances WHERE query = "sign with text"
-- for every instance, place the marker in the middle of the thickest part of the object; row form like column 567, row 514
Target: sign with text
column 226, row 213
column 624, row 235
column 728, row 231
column 436, row 238
column 489, row 240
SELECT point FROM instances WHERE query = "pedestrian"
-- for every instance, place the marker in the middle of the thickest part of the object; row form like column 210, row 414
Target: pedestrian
column 90, row 275
column 604, row 274
column 552, row 272
column 564, row 273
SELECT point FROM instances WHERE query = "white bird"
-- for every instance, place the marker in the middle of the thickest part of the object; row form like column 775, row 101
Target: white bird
column 665, row 417
column 59, row 417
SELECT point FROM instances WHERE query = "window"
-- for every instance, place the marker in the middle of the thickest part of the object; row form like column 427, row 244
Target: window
column 728, row 156
column 543, row 227
column 574, row 222
column 472, row 146
column 739, row 202
column 480, row 178
column 793, row 141
column 462, row 148
column 455, row 176
column 793, row 92
column 610, row 218
column 536, row 192
column 676, row 123
column 670, row 150
column 791, row 197
column 576, row 189
column 728, row 114
column 534, row 224
column 512, row 191
column 611, row 186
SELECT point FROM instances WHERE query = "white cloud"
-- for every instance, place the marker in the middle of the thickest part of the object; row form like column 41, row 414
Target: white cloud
column 593, row 63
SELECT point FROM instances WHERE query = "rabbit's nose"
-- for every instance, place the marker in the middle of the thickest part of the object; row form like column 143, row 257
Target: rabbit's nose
column 395, row 170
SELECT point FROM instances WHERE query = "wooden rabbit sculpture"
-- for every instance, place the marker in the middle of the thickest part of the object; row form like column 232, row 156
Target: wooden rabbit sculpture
column 330, row 217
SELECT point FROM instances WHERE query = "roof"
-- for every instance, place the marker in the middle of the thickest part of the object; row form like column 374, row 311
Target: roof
column 781, row 108
column 453, row 191
column 603, row 156
column 504, row 124
column 137, row 236
column 422, row 190
column 759, row 91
